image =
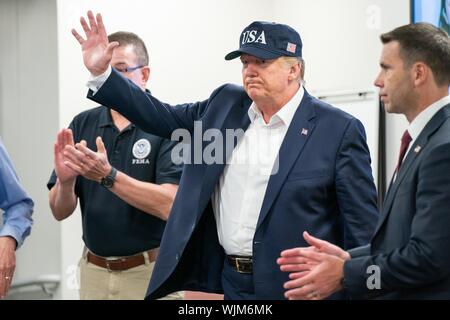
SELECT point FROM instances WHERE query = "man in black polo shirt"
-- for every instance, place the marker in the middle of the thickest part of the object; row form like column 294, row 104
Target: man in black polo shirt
column 126, row 188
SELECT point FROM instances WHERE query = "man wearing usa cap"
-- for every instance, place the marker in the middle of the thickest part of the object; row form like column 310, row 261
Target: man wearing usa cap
column 232, row 218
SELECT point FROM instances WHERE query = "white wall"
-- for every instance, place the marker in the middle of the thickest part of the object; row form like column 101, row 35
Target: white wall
column 187, row 41
column 43, row 80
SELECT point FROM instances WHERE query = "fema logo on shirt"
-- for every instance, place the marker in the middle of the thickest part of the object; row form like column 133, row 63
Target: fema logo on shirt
column 141, row 149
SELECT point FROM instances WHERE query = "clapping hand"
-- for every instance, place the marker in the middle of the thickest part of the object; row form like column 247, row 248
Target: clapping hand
column 315, row 272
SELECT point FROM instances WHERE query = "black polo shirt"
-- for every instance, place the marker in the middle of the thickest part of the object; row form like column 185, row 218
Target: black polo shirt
column 111, row 227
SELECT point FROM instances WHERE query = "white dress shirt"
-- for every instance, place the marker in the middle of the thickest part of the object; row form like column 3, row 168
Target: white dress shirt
column 95, row 82
column 239, row 194
column 419, row 123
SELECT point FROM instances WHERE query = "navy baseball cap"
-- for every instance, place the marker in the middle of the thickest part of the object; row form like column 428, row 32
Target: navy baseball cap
column 268, row 40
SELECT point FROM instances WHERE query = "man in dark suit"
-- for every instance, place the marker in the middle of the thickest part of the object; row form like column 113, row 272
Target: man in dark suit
column 409, row 254
column 296, row 163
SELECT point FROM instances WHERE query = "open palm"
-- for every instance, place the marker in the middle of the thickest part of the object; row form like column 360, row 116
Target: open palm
column 97, row 51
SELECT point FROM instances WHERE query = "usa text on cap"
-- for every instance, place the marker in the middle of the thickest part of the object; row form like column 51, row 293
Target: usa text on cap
column 268, row 40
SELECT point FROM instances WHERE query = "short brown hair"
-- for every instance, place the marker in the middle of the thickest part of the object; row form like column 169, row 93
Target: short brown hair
column 426, row 43
column 130, row 38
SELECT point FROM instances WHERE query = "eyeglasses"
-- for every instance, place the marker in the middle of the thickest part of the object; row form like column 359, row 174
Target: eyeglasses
column 129, row 69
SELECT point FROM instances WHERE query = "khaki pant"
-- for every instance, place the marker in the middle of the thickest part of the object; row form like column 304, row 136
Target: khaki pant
column 97, row 283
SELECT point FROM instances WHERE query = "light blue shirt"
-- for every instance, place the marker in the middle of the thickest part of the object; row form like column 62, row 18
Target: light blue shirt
column 14, row 201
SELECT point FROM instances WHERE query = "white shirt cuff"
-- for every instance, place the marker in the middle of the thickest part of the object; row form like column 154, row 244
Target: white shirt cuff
column 95, row 82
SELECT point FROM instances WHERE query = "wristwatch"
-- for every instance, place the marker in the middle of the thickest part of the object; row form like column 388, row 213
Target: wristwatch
column 108, row 181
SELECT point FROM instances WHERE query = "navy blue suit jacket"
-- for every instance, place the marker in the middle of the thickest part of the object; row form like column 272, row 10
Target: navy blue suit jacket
column 411, row 243
column 324, row 185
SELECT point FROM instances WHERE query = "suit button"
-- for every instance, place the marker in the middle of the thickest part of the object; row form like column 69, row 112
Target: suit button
column 177, row 256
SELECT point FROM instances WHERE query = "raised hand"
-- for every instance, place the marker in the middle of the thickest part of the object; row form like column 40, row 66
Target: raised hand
column 63, row 172
column 97, row 51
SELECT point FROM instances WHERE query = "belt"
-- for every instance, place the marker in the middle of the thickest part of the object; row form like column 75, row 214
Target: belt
column 241, row 264
column 122, row 263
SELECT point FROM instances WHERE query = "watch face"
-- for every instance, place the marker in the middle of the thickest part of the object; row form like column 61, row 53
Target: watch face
column 107, row 182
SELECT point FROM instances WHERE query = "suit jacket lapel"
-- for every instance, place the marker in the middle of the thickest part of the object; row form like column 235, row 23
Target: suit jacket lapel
column 421, row 141
column 298, row 133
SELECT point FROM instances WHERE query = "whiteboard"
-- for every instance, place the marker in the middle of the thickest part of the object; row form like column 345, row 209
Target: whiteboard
column 364, row 106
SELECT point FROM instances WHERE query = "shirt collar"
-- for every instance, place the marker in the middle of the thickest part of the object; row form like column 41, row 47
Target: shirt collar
column 417, row 125
column 285, row 114
column 105, row 119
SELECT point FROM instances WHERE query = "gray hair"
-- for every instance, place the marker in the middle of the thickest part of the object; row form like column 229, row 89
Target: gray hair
column 291, row 61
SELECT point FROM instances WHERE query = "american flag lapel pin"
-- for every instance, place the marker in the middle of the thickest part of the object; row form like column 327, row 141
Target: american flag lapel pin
column 417, row 149
column 304, row 132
